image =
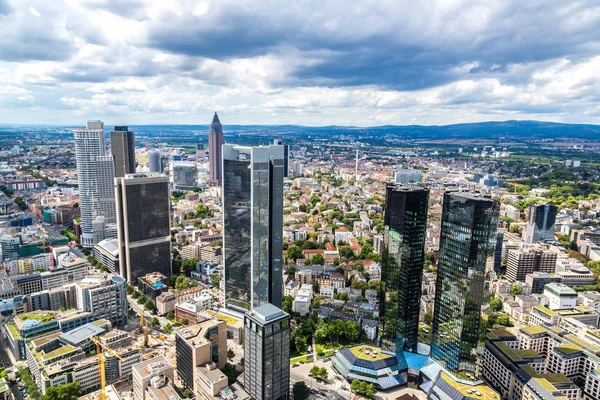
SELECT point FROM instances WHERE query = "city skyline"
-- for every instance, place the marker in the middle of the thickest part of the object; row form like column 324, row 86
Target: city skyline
column 343, row 65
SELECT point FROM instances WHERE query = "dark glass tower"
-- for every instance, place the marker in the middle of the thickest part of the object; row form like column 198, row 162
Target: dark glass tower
column 122, row 147
column 267, row 353
column 465, row 265
column 253, row 226
column 540, row 226
column 144, row 225
column 405, row 221
column 215, row 144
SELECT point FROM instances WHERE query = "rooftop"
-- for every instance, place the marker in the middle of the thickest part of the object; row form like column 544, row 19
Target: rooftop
column 81, row 334
column 471, row 391
column 267, row 312
column 365, row 352
column 534, row 330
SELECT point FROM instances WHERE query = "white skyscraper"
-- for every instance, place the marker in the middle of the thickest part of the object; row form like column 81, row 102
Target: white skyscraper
column 95, row 173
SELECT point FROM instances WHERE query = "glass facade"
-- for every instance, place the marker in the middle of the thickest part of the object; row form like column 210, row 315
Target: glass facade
column 540, row 226
column 253, row 226
column 465, row 266
column 405, row 221
column 144, row 234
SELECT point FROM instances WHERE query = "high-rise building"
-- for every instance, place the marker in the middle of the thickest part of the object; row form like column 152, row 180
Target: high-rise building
column 183, row 175
column 540, row 226
column 267, row 353
column 122, row 146
column 408, row 176
column 144, row 225
column 95, row 174
column 215, row 144
column 286, row 156
column 529, row 260
column 155, row 161
column 253, row 226
column 465, row 266
column 405, row 221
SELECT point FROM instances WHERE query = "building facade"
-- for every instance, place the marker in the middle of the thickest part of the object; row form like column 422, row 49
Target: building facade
column 529, row 260
column 95, row 174
column 122, row 147
column 465, row 266
column 253, row 226
column 267, row 353
column 540, row 226
column 405, row 221
column 215, row 144
column 144, row 225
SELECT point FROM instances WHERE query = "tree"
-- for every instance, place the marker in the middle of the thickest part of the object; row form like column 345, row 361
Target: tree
column 294, row 253
column 129, row 290
column 142, row 299
column 136, row 295
column 374, row 284
column 184, row 321
column 342, row 296
column 515, row 229
column 181, row 283
column 287, row 303
column 230, row 354
column 300, row 343
column 504, row 319
column 496, row 302
column 573, row 245
column 149, row 305
column 168, row 329
column 315, row 371
column 170, row 316
column 69, row 391
column 318, row 259
column 355, row 386
column 323, row 373
column 428, row 318
column 154, row 322
column 516, row 290
column 492, row 320
column 215, row 280
column 300, row 391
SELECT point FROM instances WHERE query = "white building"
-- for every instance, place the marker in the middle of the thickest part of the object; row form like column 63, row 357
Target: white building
column 327, row 291
column 95, row 174
column 303, row 300
column 560, row 296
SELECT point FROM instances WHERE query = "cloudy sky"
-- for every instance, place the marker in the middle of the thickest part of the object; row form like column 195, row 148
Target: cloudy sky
column 300, row 62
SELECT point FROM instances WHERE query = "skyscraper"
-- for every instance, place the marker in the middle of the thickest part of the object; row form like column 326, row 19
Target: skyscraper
column 267, row 353
column 215, row 144
column 154, row 161
column 144, row 225
column 465, row 265
column 122, row 146
column 540, row 226
column 95, row 174
column 405, row 221
column 286, row 156
column 253, row 226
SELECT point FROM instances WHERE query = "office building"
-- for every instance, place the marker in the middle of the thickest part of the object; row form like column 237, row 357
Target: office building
column 537, row 280
column 197, row 347
column 560, row 296
column 405, row 220
column 107, row 253
column 215, row 145
column 406, row 177
column 286, row 156
column 95, row 175
column 267, row 353
column 146, row 371
column 465, row 265
column 183, row 175
column 529, row 260
column 154, row 161
column 540, row 225
column 122, row 147
column 144, row 225
column 253, row 226
column 369, row 364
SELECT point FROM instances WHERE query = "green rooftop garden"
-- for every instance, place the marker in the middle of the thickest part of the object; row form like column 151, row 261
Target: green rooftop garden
column 13, row 330
column 59, row 352
column 534, row 330
column 545, row 310
column 568, row 348
column 42, row 316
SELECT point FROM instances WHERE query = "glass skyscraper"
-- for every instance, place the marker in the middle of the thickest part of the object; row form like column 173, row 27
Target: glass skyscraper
column 466, row 263
column 540, row 226
column 405, row 221
column 253, row 225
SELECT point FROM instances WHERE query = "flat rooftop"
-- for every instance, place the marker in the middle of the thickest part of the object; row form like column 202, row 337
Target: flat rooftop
column 365, row 352
column 470, row 391
column 81, row 334
column 267, row 312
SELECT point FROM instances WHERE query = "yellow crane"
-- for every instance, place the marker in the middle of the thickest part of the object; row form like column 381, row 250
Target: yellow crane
column 99, row 347
column 141, row 330
column 146, row 335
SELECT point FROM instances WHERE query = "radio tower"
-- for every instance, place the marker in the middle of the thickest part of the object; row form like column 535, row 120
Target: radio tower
column 356, row 170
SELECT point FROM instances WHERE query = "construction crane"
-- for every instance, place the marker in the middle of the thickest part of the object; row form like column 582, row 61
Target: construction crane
column 141, row 330
column 99, row 347
column 146, row 335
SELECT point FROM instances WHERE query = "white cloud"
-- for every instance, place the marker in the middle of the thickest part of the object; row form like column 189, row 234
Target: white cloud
column 315, row 63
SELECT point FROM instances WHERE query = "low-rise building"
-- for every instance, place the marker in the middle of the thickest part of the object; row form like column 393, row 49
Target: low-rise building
column 369, row 364
column 303, row 300
column 560, row 296
column 153, row 285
